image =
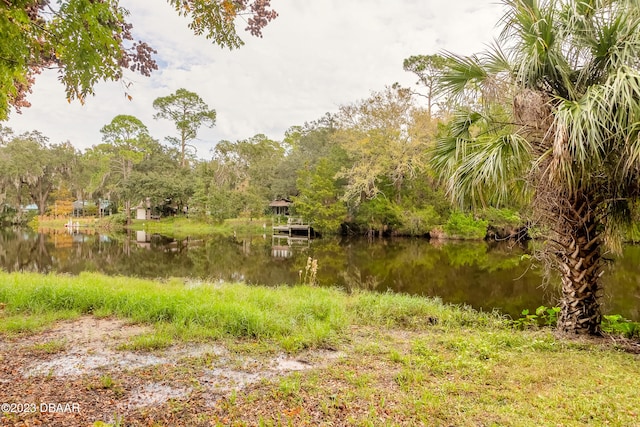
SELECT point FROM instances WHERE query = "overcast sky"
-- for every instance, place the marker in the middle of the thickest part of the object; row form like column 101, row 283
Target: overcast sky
column 316, row 56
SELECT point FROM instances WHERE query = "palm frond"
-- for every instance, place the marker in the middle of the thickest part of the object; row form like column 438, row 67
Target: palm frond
column 495, row 60
column 480, row 166
column 572, row 71
column 614, row 41
column 533, row 36
column 461, row 74
column 498, row 164
column 447, row 155
column 463, row 121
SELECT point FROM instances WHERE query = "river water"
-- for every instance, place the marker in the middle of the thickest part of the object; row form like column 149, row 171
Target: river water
column 484, row 276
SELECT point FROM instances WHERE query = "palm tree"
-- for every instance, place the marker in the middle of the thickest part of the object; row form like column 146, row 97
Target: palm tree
column 555, row 120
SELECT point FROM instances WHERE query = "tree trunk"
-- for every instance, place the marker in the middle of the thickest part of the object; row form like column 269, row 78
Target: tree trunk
column 41, row 198
column 183, row 147
column 17, row 184
column 578, row 255
column 127, row 208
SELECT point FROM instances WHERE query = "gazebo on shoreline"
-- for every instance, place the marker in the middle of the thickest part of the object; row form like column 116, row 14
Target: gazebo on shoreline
column 280, row 206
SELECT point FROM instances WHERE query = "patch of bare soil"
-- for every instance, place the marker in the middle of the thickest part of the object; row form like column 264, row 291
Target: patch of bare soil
column 74, row 375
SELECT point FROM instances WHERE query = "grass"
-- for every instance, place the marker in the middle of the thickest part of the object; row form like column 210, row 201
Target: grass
column 178, row 226
column 294, row 317
column 149, row 342
column 463, row 377
column 14, row 322
column 182, row 226
column 49, row 347
column 285, row 315
column 61, row 222
column 407, row 360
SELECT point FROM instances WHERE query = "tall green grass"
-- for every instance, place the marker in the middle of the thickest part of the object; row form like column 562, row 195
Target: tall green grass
column 295, row 317
column 414, row 312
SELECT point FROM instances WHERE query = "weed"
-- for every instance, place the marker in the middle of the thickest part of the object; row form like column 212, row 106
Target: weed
column 357, row 379
column 396, row 357
column 310, row 272
column 548, row 316
column 544, row 316
column 616, row 324
column 290, row 385
column 118, row 421
column 106, row 381
column 49, row 347
column 408, row 377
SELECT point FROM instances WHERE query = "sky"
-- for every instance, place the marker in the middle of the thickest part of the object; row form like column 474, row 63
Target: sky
column 315, row 57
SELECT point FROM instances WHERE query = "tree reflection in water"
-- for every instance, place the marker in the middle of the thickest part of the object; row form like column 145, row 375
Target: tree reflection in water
column 485, row 276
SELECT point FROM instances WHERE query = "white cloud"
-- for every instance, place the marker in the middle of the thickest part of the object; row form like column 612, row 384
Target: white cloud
column 314, row 57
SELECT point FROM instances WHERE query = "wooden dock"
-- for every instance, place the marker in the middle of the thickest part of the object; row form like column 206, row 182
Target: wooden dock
column 285, row 249
column 294, row 226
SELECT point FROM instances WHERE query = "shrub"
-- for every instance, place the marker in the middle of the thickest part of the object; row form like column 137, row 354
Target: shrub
column 112, row 222
column 417, row 222
column 464, row 226
column 501, row 217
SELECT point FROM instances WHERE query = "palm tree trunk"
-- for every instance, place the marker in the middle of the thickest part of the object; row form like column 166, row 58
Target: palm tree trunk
column 578, row 254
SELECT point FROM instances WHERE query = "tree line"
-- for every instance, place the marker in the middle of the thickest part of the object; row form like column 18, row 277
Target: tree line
column 362, row 169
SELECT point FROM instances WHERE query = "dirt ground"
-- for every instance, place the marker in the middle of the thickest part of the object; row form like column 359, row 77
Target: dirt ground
column 77, row 374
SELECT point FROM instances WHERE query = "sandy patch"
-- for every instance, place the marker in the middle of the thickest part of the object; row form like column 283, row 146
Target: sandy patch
column 90, row 331
column 152, row 394
column 234, row 375
column 88, row 349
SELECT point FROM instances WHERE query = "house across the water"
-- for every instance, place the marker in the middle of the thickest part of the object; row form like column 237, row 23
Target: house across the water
column 89, row 207
column 29, row 208
column 143, row 210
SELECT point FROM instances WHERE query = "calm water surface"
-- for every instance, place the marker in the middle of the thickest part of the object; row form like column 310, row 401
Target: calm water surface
column 484, row 276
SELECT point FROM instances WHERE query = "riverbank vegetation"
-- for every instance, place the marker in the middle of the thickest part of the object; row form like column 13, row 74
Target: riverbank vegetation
column 364, row 169
column 180, row 226
column 295, row 317
column 398, row 359
column 175, row 226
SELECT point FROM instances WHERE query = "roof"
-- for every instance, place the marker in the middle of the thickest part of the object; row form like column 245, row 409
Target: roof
column 279, row 203
column 81, row 204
